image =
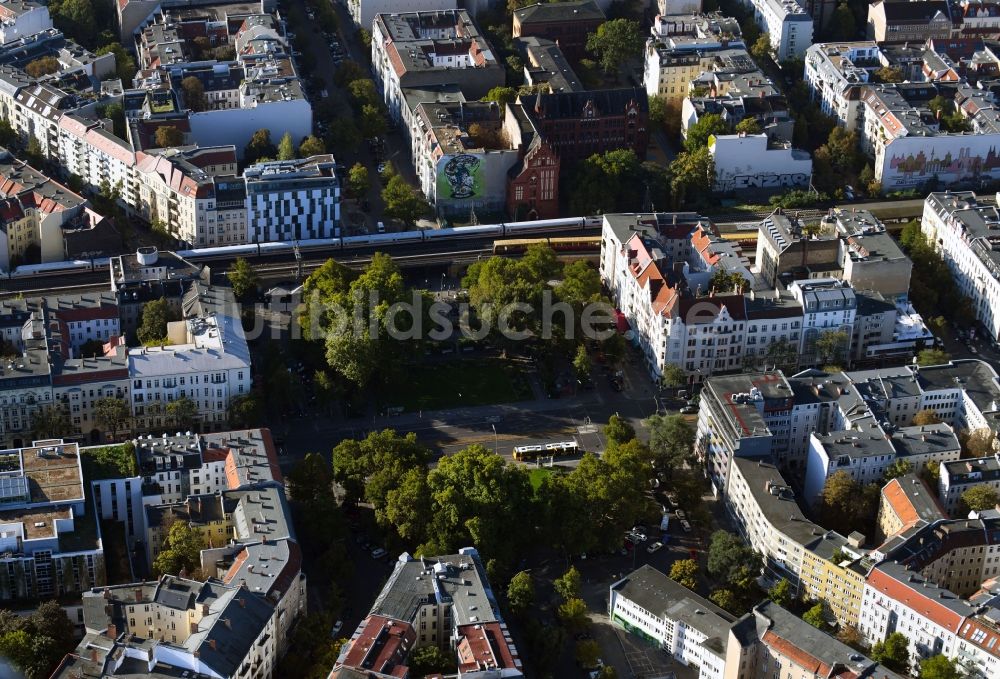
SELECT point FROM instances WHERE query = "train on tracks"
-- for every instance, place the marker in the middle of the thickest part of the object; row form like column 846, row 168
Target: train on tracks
column 323, row 246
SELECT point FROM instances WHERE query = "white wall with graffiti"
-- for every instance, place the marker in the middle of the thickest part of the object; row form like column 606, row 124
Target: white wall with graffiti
column 911, row 162
column 745, row 162
column 471, row 180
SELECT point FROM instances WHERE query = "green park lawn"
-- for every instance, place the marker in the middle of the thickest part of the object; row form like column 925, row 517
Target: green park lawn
column 463, row 382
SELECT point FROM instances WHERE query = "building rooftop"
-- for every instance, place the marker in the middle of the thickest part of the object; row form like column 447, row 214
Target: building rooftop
column 214, row 343
column 434, row 40
column 250, row 456
column 776, row 500
column 52, row 471
column 665, row 598
column 978, row 470
column 744, row 398
column 912, row 500
column 562, row 12
column 976, row 378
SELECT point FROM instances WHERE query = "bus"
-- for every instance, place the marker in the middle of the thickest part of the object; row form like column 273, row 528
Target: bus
column 558, row 449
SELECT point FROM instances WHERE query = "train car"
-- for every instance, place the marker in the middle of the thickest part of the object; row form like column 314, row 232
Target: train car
column 561, row 245
column 51, row 268
column 565, row 224
column 480, row 231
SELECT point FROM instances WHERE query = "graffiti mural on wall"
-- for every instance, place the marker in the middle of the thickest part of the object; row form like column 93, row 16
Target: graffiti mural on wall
column 911, row 169
column 459, row 178
column 761, row 181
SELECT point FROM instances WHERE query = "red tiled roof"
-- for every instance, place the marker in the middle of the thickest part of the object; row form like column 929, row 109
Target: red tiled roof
column 914, row 599
column 806, row 661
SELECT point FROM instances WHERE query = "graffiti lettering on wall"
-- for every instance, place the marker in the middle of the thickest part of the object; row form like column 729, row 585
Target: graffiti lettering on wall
column 761, row 181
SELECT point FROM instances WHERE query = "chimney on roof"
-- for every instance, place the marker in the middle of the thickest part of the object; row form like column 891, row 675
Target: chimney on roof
column 138, row 594
column 112, row 632
column 211, row 642
column 225, row 621
column 93, row 655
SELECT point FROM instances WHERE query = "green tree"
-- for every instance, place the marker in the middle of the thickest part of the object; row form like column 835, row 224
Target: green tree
column 931, row 473
column 725, row 282
column 979, row 498
column 615, row 42
column 344, row 135
column 614, row 348
column 831, row 346
column 816, row 616
column 243, row 279
column 618, row 431
column 573, row 614
column 371, row 468
column 359, row 346
column 894, row 652
column 726, row 553
column 521, row 593
column 671, row 440
column 889, row 74
column 673, row 376
column 708, row 125
column 286, row 147
column 246, row 411
column 782, row 593
column 940, row 667
column 761, row 49
column 846, row 505
column 194, row 93
column 311, row 146
column 933, row 357
column 501, row 95
column 364, row 93
column 125, row 67
column 978, row 443
column 685, row 571
column 568, row 585
column 167, row 136
column 581, row 363
column 51, row 422
column 372, row 121
column 925, row 417
column 427, row 660
column 260, row 146
column 76, row 18
column 843, row 25
column 347, row 72
column 112, row 414
column 725, row 599
column 402, row 201
column 606, row 182
column 587, row 653
column 183, row 413
column 897, row 468
column 42, row 66
column 358, row 181
column 477, row 498
column 836, row 160
column 659, row 110
column 181, row 550
column 692, row 176
column 153, row 328
column 749, row 126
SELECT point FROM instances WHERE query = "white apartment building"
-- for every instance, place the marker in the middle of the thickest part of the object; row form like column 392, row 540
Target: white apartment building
column 209, row 364
column 21, row 19
column 753, row 161
column 967, row 234
column 828, row 305
column 426, row 48
column 768, row 517
column 866, row 451
column 293, row 200
column 364, row 11
column 691, row 629
column 836, row 74
column 961, row 475
column 787, row 23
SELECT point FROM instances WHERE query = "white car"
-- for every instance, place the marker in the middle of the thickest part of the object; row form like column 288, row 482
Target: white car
column 335, row 630
column 655, row 547
column 378, row 553
column 686, row 525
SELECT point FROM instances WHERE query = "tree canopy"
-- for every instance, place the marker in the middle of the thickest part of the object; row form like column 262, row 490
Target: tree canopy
column 699, row 133
column 893, row 652
column 181, row 550
column 981, row 497
column 242, row 278
column 615, row 42
column 167, row 136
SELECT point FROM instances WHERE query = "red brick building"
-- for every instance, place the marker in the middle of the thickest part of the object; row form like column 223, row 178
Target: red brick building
column 566, row 23
column 533, row 182
column 577, row 125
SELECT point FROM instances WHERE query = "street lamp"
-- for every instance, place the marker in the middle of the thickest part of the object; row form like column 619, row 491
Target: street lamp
column 496, row 440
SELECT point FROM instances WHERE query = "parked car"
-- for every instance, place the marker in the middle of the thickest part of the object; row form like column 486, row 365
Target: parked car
column 335, row 630
column 378, row 553
column 681, row 515
column 655, row 547
column 689, row 410
column 686, row 525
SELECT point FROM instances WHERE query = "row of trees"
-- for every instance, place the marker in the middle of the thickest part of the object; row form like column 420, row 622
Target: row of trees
column 36, row 643
column 261, row 148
